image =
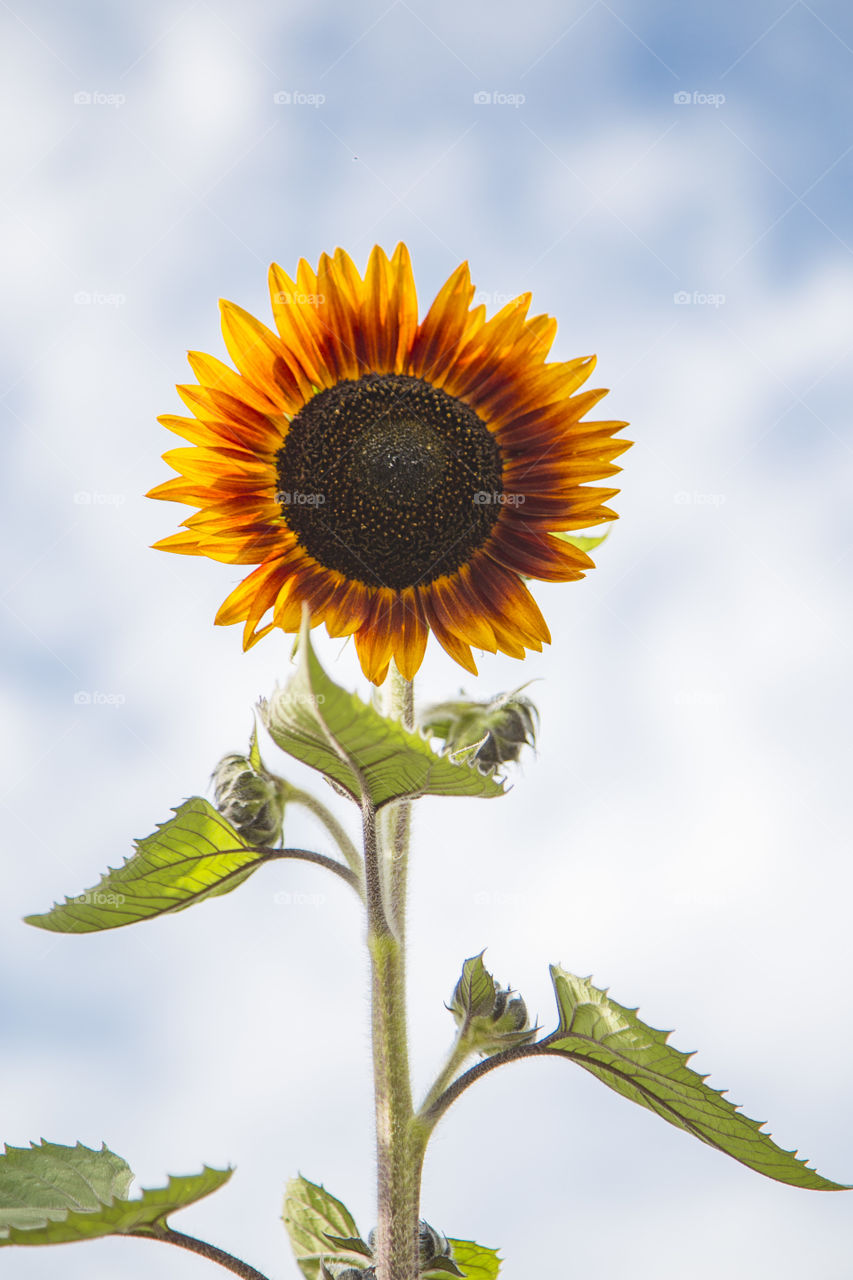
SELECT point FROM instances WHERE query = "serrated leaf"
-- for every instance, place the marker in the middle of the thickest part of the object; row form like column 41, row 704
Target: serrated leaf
column 475, row 1261
column 314, row 1218
column 195, row 855
column 474, row 994
column 634, row 1059
column 361, row 751
column 51, row 1194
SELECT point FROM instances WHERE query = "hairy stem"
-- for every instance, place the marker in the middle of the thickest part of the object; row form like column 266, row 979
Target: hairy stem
column 296, row 796
column 457, row 1056
column 227, row 1260
column 430, row 1115
column 399, row 1147
column 320, row 860
column 401, row 704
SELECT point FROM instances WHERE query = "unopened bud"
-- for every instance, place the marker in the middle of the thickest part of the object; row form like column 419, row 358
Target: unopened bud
column 250, row 798
column 431, row 1243
column 490, row 1017
column 492, row 732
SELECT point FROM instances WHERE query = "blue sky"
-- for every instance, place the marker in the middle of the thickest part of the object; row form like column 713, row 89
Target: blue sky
column 683, row 834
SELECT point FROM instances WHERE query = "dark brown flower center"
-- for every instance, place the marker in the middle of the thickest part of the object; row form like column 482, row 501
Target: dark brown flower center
column 389, row 480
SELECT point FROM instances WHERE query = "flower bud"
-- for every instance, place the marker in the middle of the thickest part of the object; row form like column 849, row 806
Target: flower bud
column 492, row 733
column 431, row 1243
column 490, row 1017
column 250, row 798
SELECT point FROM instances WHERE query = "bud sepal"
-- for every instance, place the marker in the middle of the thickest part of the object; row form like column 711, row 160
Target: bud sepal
column 490, row 733
column 250, row 797
column 490, row 1017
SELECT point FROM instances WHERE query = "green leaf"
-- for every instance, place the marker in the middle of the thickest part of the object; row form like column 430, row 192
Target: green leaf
column 583, row 543
column 362, row 752
column 475, row 1261
column 255, row 752
column 195, row 855
column 634, row 1059
column 51, row 1194
column 319, row 1227
column 474, row 994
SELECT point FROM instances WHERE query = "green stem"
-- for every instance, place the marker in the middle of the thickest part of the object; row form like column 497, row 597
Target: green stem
column 227, row 1260
column 330, row 822
column 459, row 1054
column 399, row 1148
column 402, row 704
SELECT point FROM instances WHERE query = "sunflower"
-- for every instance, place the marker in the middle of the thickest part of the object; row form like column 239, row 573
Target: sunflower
column 397, row 477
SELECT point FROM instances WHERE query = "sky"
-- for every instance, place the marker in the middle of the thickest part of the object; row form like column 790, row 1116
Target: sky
column 674, row 185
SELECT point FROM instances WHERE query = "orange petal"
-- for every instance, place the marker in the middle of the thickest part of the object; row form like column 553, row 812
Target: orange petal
column 295, row 319
column 263, row 584
column 449, row 641
column 259, row 354
column 374, row 640
column 219, row 376
column 410, row 632
column 444, row 327
column 403, row 307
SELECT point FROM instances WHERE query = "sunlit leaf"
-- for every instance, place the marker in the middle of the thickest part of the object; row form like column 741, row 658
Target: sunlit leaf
column 194, row 856
column 365, row 754
column 475, row 1261
column 51, row 1194
column 320, row 1227
column 634, row 1059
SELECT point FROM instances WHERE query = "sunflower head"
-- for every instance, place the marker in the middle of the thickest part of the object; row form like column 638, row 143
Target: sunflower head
column 398, row 476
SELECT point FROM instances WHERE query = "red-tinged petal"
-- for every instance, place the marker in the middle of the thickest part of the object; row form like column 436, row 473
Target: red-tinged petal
column 409, row 633
column 449, row 641
column 348, row 608
column 535, row 464
column 537, row 555
column 219, row 376
column 185, row 543
column 374, row 639
column 295, row 319
column 259, row 355
column 403, row 304
column 444, row 328
column 263, row 584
